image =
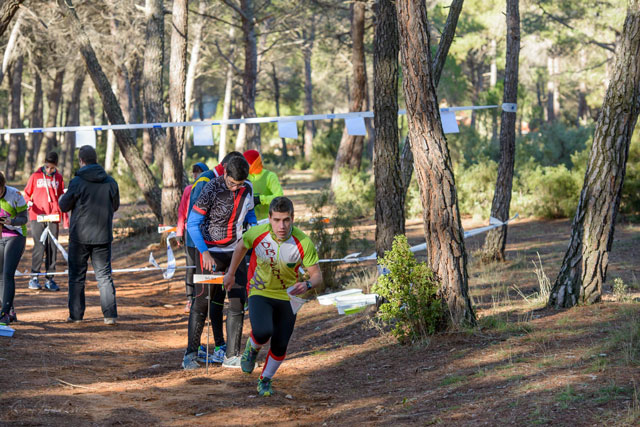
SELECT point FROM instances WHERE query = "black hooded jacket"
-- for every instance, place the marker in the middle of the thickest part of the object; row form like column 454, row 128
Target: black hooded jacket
column 93, row 197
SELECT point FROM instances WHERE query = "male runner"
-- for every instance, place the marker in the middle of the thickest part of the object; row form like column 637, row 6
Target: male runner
column 279, row 250
column 215, row 225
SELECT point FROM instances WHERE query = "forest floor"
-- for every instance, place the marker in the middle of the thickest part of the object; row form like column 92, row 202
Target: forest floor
column 524, row 364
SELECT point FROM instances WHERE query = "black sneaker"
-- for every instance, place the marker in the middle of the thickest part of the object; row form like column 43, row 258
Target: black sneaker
column 12, row 315
column 50, row 285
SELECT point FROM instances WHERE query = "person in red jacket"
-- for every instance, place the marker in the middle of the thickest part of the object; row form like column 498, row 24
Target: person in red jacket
column 44, row 188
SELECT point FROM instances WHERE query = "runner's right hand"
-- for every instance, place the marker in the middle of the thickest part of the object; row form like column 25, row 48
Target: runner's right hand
column 229, row 280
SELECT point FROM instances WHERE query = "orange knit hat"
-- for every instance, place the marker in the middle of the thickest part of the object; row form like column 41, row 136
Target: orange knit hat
column 255, row 161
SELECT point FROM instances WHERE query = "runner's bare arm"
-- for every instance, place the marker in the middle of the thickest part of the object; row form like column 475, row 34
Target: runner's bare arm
column 236, row 259
column 315, row 278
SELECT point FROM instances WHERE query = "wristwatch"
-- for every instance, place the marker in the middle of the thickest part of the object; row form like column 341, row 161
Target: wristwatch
column 309, row 285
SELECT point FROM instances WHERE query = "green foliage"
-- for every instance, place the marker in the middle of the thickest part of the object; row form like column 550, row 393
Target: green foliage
column 325, row 150
column 553, row 144
column 630, row 203
column 475, row 186
column 620, row 290
column 332, row 244
column 413, row 309
column 355, row 191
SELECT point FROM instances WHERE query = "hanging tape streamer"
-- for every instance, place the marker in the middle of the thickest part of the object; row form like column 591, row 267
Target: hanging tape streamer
column 47, row 233
column 255, row 120
column 171, row 260
column 509, row 108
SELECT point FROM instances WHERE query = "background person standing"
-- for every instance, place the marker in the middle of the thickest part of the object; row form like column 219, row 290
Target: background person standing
column 93, row 197
column 44, row 188
column 266, row 185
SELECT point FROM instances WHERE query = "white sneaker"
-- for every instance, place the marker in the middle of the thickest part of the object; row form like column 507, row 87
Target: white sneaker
column 231, row 362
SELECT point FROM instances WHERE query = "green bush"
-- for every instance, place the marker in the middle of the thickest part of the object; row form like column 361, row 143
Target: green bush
column 475, row 187
column 413, row 309
column 332, row 244
column 325, row 150
column 548, row 192
column 356, row 192
column 630, row 203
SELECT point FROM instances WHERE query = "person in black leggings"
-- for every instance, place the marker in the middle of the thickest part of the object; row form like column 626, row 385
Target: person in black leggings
column 13, row 217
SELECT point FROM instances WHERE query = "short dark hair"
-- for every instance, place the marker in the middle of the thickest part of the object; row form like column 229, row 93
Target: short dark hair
column 3, row 181
column 237, row 168
column 52, row 157
column 196, row 169
column 230, row 156
column 281, row 204
column 88, row 154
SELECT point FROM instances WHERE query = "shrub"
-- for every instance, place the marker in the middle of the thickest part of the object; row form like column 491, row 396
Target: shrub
column 332, row 244
column 412, row 307
column 475, row 185
column 355, row 192
column 325, row 150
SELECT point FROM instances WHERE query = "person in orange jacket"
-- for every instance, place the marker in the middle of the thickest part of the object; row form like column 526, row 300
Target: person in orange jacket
column 44, row 188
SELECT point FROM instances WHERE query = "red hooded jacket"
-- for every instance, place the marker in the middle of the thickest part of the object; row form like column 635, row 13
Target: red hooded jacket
column 44, row 191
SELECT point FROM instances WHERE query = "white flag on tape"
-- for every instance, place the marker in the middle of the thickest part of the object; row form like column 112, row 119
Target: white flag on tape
column 85, row 137
column 202, row 135
column 288, row 129
column 355, row 126
column 449, row 123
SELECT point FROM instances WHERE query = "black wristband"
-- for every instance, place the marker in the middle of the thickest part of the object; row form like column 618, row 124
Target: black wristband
column 309, row 285
column 256, row 200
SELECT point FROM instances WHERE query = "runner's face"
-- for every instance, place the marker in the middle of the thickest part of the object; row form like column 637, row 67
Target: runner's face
column 232, row 184
column 281, row 223
column 50, row 168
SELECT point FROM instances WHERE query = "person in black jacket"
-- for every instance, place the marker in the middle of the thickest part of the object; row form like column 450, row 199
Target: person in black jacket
column 92, row 197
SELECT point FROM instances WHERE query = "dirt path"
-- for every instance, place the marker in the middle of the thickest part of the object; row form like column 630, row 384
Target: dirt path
column 578, row 367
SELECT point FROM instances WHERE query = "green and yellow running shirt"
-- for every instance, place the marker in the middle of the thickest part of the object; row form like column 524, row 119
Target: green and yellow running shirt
column 274, row 265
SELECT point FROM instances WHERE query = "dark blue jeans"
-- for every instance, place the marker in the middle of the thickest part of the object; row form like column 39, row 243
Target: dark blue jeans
column 11, row 249
column 79, row 254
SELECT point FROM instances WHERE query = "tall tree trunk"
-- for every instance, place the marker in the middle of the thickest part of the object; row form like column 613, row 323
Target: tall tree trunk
column 193, row 68
column 11, row 45
column 34, row 138
column 127, row 144
column 172, row 171
column 73, row 119
column 584, row 268
column 15, row 84
column 226, row 105
column 386, row 161
column 446, row 253
column 406, row 158
column 54, row 98
column 8, row 9
column 551, row 91
column 152, row 76
column 496, row 239
column 276, row 98
column 250, row 76
column 348, row 143
column 308, row 36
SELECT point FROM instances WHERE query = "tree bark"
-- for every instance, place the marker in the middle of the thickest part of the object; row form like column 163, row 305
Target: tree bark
column 307, row 52
column 496, row 239
column 276, row 98
column 446, row 253
column 250, row 76
column 194, row 57
column 127, row 144
column 172, row 171
column 349, row 143
column 11, row 45
column 73, row 119
column 8, row 9
column 386, row 162
column 15, row 84
column 54, row 97
column 406, row 160
column 152, row 75
column 584, row 268
column 226, row 105
column 34, row 139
